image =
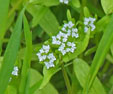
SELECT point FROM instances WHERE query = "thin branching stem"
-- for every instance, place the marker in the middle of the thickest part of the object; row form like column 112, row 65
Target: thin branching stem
column 66, row 79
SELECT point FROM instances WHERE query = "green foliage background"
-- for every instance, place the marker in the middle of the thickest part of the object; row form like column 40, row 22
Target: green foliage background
column 26, row 24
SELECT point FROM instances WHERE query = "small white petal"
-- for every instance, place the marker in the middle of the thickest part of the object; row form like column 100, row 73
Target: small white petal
column 65, row 25
column 41, row 50
column 92, row 27
column 66, row 1
column 63, row 29
column 15, row 71
column 75, row 30
column 46, row 48
column 70, row 24
column 61, row 1
column 85, row 29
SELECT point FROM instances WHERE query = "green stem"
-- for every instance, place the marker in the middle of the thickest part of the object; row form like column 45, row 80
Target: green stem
column 82, row 8
column 66, row 79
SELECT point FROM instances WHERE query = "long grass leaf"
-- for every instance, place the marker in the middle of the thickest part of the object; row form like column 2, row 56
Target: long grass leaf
column 4, row 5
column 10, row 54
column 27, row 59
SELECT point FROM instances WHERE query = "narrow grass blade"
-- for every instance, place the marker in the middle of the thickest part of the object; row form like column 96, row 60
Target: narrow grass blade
column 102, row 50
column 27, row 59
column 4, row 5
column 10, row 54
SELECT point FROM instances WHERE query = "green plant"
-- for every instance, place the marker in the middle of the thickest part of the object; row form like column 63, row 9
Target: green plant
column 56, row 47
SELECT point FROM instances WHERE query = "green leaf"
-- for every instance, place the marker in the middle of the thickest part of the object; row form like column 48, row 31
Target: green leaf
column 45, row 18
column 36, row 77
column 101, row 52
column 81, row 46
column 102, row 23
column 49, row 23
column 37, row 12
column 4, row 5
column 45, row 2
column 48, row 74
column 81, row 70
column 10, row 54
column 75, row 3
column 107, row 6
column 86, row 12
column 11, row 90
column 27, row 59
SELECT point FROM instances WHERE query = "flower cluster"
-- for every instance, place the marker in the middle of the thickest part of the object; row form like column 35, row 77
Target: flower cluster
column 64, row 41
column 46, row 56
column 62, row 38
column 64, row 1
column 89, row 22
column 15, row 71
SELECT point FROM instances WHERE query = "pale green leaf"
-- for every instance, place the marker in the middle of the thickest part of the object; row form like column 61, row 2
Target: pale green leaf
column 48, row 89
column 107, row 6
column 81, row 70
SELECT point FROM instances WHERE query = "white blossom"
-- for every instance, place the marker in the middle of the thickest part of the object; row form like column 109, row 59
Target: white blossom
column 89, row 22
column 85, row 29
column 70, row 24
column 51, row 58
column 75, row 32
column 45, row 55
column 61, row 37
column 69, row 47
column 49, row 64
column 72, row 45
column 41, row 57
column 15, row 71
column 64, row 1
column 55, row 40
column 46, row 48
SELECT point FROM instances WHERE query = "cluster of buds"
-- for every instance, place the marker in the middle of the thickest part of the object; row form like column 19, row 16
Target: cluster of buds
column 89, row 22
column 64, row 1
column 62, row 38
column 15, row 71
column 64, row 41
column 46, row 56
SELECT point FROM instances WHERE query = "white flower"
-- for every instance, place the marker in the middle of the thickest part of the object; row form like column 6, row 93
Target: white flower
column 41, row 57
column 51, row 58
column 70, row 24
column 15, row 71
column 61, row 1
column 72, row 45
column 69, row 47
column 92, row 27
column 61, row 49
column 89, row 22
column 44, row 56
column 61, row 37
column 64, row 1
column 85, row 29
column 75, row 32
column 44, row 50
column 49, row 64
column 55, row 40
